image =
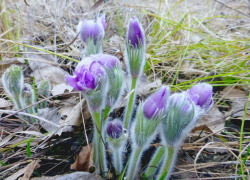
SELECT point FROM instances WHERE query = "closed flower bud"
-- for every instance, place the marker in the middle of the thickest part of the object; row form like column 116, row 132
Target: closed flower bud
column 13, row 81
column 28, row 97
column 114, row 129
column 135, row 48
column 201, row 95
column 179, row 118
column 113, row 69
column 135, row 33
column 156, row 102
column 44, row 87
column 91, row 32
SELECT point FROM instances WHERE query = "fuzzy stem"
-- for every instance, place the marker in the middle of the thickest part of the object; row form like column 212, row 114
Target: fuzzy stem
column 130, row 102
column 134, row 163
column 106, row 112
column 167, row 166
column 154, row 163
column 118, row 161
column 99, row 149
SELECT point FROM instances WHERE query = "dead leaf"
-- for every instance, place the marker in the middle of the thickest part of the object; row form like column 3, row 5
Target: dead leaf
column 33, row 165
column 84, row 159
column 214, row 120
column 4, row 103
column 96, row 5
column 55, row 74
column 60, row 88
column 233, row 93
column 6, row 140
column 237, row 108
column 80, row 175
column 30, row 169
column 52, row 115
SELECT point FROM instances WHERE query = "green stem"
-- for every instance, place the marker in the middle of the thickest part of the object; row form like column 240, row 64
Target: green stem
column 155, row 161
column 117, row 161
column 134, row 163
column 168, row 163
column 130, row 103
column 99, row 149
column 106, row 112
column 241, row 137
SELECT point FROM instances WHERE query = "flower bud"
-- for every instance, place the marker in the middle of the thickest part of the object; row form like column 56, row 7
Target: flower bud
column 135, row 48
column 114, row 129
column 13, row 81
column 156, row 102
column 28, row 97
column 179, row 118
column 91, row 33
column 113, row 69
column 201, row 95
column 135, row 35
column 44, row 87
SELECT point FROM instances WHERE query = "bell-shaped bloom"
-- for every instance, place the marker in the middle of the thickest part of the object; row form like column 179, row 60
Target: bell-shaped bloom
column 86, row 76
column 201, row 94
column 114, row 129
column 135, row 35
column 91, row 32
column 135, row 48
column 13, row 81
column 90, row 78
column 179, row 119
column 156, row 102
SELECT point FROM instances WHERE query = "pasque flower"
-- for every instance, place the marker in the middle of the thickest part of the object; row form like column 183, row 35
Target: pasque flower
column 116, row 140
column 113, row 69
column 135, row 47
column 156, row 102
column 13, row 83
column 201, row 95
column 90, row 78
column 114, row 129
column 145, row 125
column 91, row 32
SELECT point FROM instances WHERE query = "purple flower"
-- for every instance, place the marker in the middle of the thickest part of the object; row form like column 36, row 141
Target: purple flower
column 106, row 60
column 135, row 34
column 156, row 102
column 201, row 95
column 92, row 29
column 114, row 129
column 86, row 76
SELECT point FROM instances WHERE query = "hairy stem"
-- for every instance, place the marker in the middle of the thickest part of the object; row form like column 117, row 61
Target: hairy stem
column 155, row 161
column 130, row 103
column 118, row 161
column 99, row 148
column 168, row 164
column 134, row 163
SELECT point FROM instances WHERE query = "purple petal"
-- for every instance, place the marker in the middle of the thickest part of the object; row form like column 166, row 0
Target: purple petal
column 156, row 102
column 91, row 29
column 102, row 20
column 114, row 129
column 135, row 32
column 73, row 80
column 107, row 60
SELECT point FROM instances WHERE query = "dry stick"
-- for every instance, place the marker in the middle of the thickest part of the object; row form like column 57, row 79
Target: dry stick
column 27, row 114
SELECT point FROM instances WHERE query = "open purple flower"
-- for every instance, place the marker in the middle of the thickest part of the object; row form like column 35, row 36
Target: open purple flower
column 92, row 29
column 107, row 60
column 201, row 95
column 156, row 102
column 135, row 33
column 86, row 76
column 114, row 129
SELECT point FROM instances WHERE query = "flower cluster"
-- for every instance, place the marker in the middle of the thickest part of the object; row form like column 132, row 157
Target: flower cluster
column 100, row 79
